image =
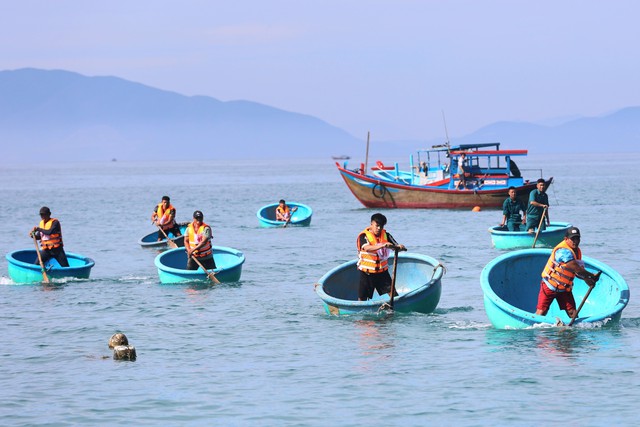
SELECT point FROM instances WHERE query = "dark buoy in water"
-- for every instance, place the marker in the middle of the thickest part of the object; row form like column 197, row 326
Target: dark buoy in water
column 121, row 348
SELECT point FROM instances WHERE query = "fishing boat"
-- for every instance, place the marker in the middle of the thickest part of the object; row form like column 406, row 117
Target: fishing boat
column 23, row 267
column 171, row 266
column 511, row 283
column 502, row 238
column 151, row 240
column 418, row 283
column 432, row 182
column 301, row 217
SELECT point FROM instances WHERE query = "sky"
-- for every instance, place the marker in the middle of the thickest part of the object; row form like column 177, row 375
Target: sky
column 398, row 69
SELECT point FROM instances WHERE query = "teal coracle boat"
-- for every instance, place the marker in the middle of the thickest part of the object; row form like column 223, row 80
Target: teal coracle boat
column 301, row 217
column 171, row 266
column 418, row 283
column 151, row 239
column 511, row 283
column 548, row 238
column 24, row 268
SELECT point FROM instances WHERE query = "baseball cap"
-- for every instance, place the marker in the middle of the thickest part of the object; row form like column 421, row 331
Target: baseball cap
column 198, row 215
column 572, row 232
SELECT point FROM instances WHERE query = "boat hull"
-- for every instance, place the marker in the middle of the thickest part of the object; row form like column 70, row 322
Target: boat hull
column 501, row 238
column 511, row 283
column 418, row 282
column 171, row 266
column 374, row 192
column 23, row 267
column 301, row 217
column 151, row 240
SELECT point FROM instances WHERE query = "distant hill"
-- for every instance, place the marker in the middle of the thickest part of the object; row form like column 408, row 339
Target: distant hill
column 69, row 116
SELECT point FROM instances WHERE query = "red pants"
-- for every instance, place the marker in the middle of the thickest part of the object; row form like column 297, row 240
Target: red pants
column 546, row 297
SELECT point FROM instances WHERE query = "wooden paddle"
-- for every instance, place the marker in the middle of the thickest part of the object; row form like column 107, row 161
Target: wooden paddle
column 575, row 315
column 393, row 278
column 45, row 278
column 544, row 211
column 170, row 242
column 209, row 274
column 290, row 215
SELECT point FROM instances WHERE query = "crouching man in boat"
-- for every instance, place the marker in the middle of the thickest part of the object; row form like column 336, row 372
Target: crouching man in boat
column 164, row 216
column 511, row 209
column 283, row 213
column 374, row 247
column 564, row 264
column 49, row 232
column 197, row 242
column 538, row 206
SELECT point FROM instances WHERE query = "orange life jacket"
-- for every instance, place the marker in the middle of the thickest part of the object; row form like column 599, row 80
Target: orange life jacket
column 556, row 273
column 193, row 239
column 165, row 218
column 284, row 211
column 52, row 240
column 373, row 262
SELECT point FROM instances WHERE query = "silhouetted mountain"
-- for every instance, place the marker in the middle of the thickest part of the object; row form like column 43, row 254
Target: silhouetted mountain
column 73, row 117
column 68, row 116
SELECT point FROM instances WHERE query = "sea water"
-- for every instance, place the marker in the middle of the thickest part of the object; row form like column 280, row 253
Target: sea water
column 262, row 351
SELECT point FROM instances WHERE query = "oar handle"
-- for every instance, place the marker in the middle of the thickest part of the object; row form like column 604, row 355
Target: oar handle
column 45, row 278
column 575, row 315
column 170, row 242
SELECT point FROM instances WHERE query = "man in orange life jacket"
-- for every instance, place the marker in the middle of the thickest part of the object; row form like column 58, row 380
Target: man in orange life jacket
column 564, row 264
column 164, row 216
column 374, row 246
column 283, row 213
column 197, row 242
column 49, row 233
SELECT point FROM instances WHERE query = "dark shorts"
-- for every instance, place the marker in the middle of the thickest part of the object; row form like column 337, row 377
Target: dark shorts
column 381, row 282
column 546, row 296
column 514, row 225
column 56, row 253
column 533, row 222
column 171, row 232
column 207, row 263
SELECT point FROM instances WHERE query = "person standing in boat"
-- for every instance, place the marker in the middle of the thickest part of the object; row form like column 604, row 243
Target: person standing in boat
column 283, row 213
column 564, row 264
column 49, row 232
column 511, row 209
column 538, row 203
column 197, row 243
column 461, row 171
column 164, row 216
column 374, row 246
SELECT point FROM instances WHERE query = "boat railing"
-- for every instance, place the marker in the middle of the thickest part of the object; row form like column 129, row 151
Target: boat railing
column 539, row 170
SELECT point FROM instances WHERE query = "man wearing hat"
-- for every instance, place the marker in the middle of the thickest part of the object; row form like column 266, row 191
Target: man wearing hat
column 374, row 244
column 564, row 264
column 197, row 242
column 49, row 233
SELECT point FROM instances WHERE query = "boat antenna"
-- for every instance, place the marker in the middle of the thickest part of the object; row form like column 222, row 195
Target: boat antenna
column 446, row 132
column 366, row 157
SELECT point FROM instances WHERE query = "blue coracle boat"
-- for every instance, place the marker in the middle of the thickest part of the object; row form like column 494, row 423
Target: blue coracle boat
column 502, row 238
column 301, row 217
column 418, row 283
column 151, row 239
column 23, row 267
column 511, row 283
column 171, row 266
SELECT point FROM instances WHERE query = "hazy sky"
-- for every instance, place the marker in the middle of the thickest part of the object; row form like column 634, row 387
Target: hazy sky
column 389, row 67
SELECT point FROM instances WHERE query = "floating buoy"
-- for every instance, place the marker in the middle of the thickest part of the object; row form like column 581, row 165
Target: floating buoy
column 118, row 339
column 124, row 352
column 476, row 209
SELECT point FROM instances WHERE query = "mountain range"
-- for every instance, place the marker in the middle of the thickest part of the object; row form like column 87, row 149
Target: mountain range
column 70, row 116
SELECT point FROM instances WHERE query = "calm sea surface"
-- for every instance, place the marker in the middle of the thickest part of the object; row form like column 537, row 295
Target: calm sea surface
column 262, row 351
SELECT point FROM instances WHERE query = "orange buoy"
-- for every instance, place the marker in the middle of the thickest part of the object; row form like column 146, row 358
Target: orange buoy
column 476, row 209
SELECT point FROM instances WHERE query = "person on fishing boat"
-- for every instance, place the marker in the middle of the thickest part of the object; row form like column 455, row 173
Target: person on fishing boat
column 538, row 202
column 564, row 264
column 461, row 171
column 197, row 243
column 374, row 246
column 164, row 216
column 511, row 209
column 283, row 213
column 49, row 232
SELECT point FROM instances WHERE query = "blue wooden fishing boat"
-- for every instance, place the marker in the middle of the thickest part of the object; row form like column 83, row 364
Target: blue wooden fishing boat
column 301, row 217
column 151, row 239
column 432, row 181
column 23, row 267
column 502, row 238
column 511, row 283
column 171, row 266
column 418, row 283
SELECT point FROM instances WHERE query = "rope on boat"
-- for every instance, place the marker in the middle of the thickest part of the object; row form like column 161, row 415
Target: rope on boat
column 383, row 190
column 440, row 265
